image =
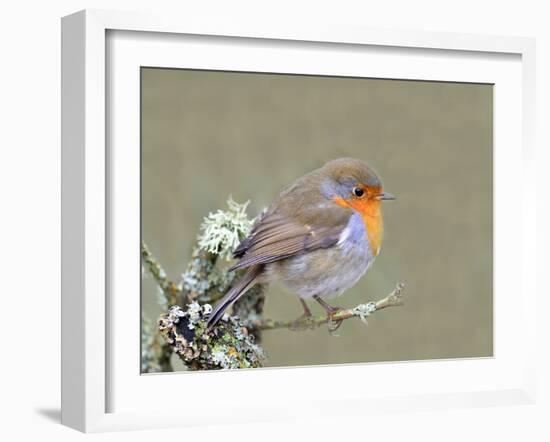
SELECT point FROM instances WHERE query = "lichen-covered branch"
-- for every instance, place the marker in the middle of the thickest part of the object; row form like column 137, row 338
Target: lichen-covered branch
column 227, row 346
column 204, row 281
column 362, row 311
column 169, row 289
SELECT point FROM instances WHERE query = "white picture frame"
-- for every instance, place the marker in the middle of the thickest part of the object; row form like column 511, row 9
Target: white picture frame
column 88, row 319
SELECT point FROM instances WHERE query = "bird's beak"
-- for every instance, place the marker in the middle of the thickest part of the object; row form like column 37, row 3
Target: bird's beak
column 385, row 196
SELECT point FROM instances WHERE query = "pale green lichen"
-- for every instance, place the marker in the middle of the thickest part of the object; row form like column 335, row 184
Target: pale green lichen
column 223, row 230
column 364, row 310
column 202, row 275
column 227, row 346
column 221, row 233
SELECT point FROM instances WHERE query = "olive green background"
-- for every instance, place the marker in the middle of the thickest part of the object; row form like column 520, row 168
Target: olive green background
column 206, row 135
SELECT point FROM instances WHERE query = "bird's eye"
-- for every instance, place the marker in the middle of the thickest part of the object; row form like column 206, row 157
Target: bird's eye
column 358, row 192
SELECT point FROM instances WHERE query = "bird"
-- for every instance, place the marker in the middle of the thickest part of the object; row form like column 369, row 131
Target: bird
column 317, row 238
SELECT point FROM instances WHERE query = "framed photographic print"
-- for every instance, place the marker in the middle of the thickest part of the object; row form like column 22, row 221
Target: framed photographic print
column 320, row 214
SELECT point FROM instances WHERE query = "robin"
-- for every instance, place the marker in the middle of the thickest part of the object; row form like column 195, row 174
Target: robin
column 317, row 238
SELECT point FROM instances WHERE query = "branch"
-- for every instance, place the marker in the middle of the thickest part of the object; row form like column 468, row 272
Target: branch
column 169, row 288
column 394, row 299
column 227, row 346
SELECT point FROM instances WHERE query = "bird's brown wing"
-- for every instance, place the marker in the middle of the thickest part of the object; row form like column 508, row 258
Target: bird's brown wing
column 278, row 235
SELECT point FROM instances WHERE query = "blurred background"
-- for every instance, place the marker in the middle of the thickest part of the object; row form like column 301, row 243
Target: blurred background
column 206, row 135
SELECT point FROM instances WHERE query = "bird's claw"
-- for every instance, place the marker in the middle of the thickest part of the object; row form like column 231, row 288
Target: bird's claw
column 332, row 324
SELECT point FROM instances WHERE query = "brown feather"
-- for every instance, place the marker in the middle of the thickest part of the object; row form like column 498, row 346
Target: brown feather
column 300, row 219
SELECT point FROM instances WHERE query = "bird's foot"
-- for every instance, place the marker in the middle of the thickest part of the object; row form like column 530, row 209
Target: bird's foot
column 334, row 324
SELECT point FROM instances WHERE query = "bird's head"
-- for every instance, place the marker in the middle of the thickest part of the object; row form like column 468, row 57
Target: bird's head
column 353, row 184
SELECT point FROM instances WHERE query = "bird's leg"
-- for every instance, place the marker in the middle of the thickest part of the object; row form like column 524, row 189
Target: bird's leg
column 302, row 321
column 307, row 311
column 331, row 311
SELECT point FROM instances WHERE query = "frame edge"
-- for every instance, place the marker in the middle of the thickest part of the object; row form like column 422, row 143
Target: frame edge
column 73, row 82
column 83, row 313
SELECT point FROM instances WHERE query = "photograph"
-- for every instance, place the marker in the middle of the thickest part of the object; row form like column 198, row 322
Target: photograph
column 292, row 220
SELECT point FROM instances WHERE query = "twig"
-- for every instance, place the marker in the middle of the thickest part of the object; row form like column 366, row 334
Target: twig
column 394, row 299
column 169, row 288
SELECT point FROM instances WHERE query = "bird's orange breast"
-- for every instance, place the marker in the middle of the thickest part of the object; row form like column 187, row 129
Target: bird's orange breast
column 372, row 217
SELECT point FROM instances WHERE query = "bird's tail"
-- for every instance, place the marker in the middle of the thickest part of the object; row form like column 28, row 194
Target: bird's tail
column 234, row 293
